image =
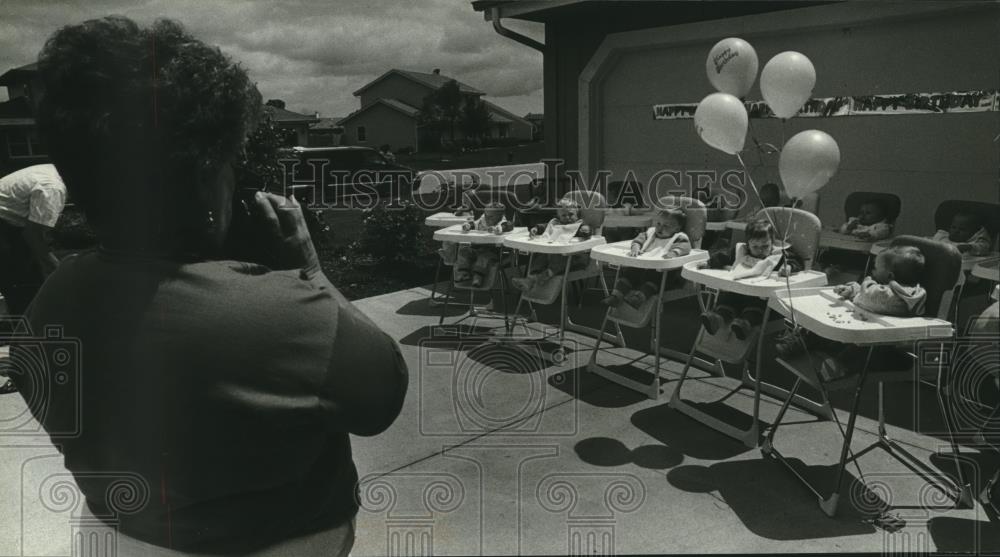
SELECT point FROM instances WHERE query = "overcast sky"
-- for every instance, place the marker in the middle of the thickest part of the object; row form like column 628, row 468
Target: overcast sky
column 314, row 54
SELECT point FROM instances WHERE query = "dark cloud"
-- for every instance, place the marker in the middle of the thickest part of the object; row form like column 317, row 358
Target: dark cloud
column 314, row 54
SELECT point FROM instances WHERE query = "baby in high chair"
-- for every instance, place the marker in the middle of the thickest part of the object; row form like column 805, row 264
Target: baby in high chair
column 474, row 262
column 967, row 233
column 870, row 224
column 665, row 239
column 892, row 289
column 449, row 250
column 761, row 255
column 544, row 266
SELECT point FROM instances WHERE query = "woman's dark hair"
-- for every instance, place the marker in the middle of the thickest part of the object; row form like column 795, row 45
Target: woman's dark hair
column 139, row 119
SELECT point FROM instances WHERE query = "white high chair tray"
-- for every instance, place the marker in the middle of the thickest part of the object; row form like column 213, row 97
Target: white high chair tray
column 828, row 315
column 758, row 287
column 833, row 239
column 617, row 254
column 455, row 234
column 443, row 220
column 726, row 225
column 969, row 262
column 521, row 241
column 989, row 269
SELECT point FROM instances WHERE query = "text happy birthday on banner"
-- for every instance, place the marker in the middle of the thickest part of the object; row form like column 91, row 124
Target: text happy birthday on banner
column 866, row 105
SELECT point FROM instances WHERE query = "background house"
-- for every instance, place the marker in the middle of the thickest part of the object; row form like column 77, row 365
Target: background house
column 326, row 133
column 537, row 120
column 390, row 109
column 296, row 125
column 20, row 145
column 607, row 63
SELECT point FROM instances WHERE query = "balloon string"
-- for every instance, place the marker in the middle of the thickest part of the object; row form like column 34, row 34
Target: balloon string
column 788, row 280
column 753, row 186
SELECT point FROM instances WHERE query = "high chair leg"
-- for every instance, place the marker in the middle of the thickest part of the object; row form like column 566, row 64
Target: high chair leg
column 964, row 496
column 437, row 278
column 444, row 306
column 651, row 390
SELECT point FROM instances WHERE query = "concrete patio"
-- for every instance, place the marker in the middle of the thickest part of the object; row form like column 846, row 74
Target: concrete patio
column 498, row 451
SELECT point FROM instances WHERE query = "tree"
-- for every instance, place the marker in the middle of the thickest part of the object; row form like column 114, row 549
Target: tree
column 277, row 103
column 475, row 118
column 442, row 108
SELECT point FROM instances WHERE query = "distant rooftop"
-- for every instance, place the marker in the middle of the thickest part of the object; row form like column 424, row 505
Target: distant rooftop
column 17, row 74
column 283, row 115
column 432, row 80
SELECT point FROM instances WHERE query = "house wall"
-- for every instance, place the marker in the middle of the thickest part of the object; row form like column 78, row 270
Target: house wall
column 396, row 87
column 571, row 40
column 925, row 159
column 382, row 125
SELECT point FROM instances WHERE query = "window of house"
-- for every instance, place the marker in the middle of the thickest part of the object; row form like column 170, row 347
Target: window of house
column 362, row 134
column 502, row 130
column 23, row 143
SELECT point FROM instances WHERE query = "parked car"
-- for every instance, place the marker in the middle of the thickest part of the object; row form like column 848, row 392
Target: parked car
column 344, row 176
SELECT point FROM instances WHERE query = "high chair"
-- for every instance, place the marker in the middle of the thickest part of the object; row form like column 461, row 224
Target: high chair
column 833, row 239
column 592, row 211
column 989, row 216
column 495, row 275
column 801, row 231
column 832, row 319
column 615, row 256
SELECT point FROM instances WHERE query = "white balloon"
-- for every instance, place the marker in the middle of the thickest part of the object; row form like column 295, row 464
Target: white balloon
column 808, row 160
column 721, row 121
column 732, row 66
column 787, row 82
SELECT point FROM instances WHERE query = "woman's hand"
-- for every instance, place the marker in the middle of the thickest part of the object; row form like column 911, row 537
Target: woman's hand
column 290, row 246
column 634, row 250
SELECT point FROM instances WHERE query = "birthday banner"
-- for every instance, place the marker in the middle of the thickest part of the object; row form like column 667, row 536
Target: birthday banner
column 866, row 105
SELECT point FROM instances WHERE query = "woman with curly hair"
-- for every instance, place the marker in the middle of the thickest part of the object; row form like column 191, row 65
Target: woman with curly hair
column 224, row 391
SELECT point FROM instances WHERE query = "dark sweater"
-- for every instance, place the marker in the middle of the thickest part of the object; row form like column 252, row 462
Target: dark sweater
column 228, row 388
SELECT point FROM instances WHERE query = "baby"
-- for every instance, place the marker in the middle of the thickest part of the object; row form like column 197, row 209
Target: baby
column 665, row 239
column 893, row 288
column 544, row 266
column 759, row 256
column 449, row 250
column 967, row 233
column 475, row 261
column 870, row 225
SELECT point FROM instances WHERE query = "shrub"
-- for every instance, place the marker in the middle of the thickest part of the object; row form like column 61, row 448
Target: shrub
column 394, row 234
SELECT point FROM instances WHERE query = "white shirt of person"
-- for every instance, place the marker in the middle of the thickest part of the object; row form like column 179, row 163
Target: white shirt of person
column 33, row 194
